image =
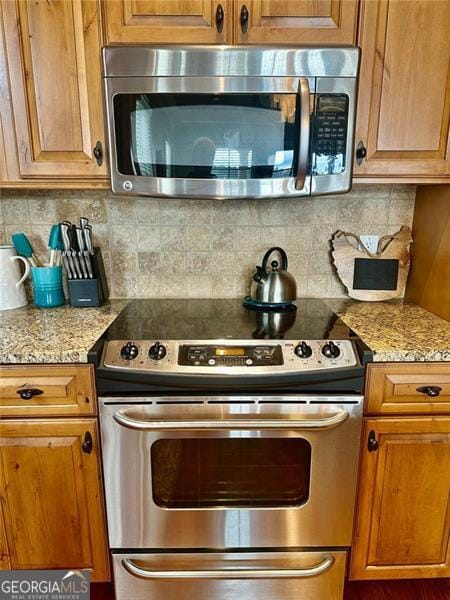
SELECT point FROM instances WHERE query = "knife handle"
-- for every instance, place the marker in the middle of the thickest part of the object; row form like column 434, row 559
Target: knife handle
column 87, row 258
column 80, row 238
column 76, row 264
column 66, row 264
column 65, row 236
column 88, row 238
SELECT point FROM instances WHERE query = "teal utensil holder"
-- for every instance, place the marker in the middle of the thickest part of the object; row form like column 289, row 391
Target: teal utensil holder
column 47, row 287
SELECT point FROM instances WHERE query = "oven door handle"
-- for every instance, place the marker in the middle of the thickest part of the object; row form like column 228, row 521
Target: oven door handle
column 226, row 573
column 304, row 132
column 237, row 424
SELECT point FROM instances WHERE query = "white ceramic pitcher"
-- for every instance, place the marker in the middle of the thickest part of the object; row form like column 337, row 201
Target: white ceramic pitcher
column 12, row 290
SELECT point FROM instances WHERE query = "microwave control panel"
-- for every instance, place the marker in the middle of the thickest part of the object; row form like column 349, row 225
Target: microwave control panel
column 329, row 135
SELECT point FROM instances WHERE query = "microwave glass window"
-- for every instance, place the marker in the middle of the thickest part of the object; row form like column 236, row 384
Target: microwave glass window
column 230, row 472
column 207, row 136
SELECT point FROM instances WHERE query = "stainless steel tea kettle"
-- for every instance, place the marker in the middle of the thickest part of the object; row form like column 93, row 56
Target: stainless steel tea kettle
column 274, row 285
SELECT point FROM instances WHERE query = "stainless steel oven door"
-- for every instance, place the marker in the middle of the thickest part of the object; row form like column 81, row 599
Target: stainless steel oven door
column 251, row 576
column 230, row 472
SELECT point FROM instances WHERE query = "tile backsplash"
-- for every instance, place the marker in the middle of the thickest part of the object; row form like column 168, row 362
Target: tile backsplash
column 205, row 248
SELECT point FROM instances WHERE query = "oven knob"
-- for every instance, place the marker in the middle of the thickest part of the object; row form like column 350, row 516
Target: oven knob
column 302, row 350
column 157, row 351
column 330, row 350
column 129, row 351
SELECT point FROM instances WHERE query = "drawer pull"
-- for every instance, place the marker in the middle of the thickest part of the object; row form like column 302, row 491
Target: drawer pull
column 28, row 393
column 219, row 18
column 372, row 444
column 87, row 444
column 430, row 390
column 244, row 18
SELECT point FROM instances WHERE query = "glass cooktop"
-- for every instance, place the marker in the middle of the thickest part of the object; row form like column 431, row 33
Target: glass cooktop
column 204, row 319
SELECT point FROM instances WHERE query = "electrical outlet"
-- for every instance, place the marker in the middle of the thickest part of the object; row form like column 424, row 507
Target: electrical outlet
column 370, row 242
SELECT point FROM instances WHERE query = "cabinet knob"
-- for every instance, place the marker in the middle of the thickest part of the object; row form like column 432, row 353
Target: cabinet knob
column 430, row 390
column 372, row 443
column 28, row 393
column 220, row 15
column 361, row 153
column 98, row 153
column 87, row 444
column 244, row 18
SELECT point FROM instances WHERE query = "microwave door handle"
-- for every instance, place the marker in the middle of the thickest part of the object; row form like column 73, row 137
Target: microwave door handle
column 304, row 132
column 325, row 565
column 236, row 424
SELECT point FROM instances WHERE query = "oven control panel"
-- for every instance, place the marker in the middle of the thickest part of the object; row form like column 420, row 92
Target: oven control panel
column 222, row 355
column 229, row 357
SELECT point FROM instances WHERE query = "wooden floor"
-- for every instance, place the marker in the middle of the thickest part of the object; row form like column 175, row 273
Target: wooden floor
column 413, row 589
column 425, row 589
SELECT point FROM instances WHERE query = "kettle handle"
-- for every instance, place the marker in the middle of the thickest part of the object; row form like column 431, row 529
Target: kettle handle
column 27, row 268
column 281, row 252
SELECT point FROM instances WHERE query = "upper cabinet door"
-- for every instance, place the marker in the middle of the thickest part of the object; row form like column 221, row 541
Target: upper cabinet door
column 404, row 90
column 54, row 62
column 296, row 22
column 168, row 22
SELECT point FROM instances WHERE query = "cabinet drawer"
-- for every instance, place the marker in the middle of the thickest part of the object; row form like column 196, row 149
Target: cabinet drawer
column 47, row 391
column 413, row 388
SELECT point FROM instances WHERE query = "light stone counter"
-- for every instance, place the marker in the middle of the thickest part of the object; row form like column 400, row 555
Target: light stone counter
column 393, row 330
column 396, row 330
column 56, row 335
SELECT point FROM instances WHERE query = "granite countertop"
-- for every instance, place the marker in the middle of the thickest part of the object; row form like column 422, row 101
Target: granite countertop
column 53, row 335
column 396, row 330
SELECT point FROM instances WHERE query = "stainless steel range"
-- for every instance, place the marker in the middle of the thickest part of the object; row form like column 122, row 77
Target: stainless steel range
column 230, row 450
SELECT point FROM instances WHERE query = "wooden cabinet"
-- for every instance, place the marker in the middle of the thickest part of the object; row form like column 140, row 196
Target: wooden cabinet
column 403, row 117
column 47, row 390
column 428, row 280
column 414, row 388
column 54, row 65
column 51, row 497
column 52, row 512
column 403, row 520
column 51, row 105
column 174, row 22
column 402, row 526
column 321, row 22
column 265, row 22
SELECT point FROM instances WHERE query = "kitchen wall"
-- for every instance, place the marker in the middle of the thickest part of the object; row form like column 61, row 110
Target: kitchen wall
column 177, row 248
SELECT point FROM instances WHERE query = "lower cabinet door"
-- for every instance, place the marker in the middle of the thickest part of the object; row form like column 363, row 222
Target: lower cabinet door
column 403, row 519
column 316, row 575
column 51, row 496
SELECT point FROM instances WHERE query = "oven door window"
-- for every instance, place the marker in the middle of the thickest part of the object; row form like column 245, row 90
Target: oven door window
column 207, row 136
column 230, row 472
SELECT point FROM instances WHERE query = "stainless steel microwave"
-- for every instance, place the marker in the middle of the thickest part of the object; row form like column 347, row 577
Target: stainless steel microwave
column 230, row 121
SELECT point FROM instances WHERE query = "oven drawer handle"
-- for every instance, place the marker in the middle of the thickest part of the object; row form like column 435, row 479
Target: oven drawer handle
column 326, row 423
column 322, row 567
